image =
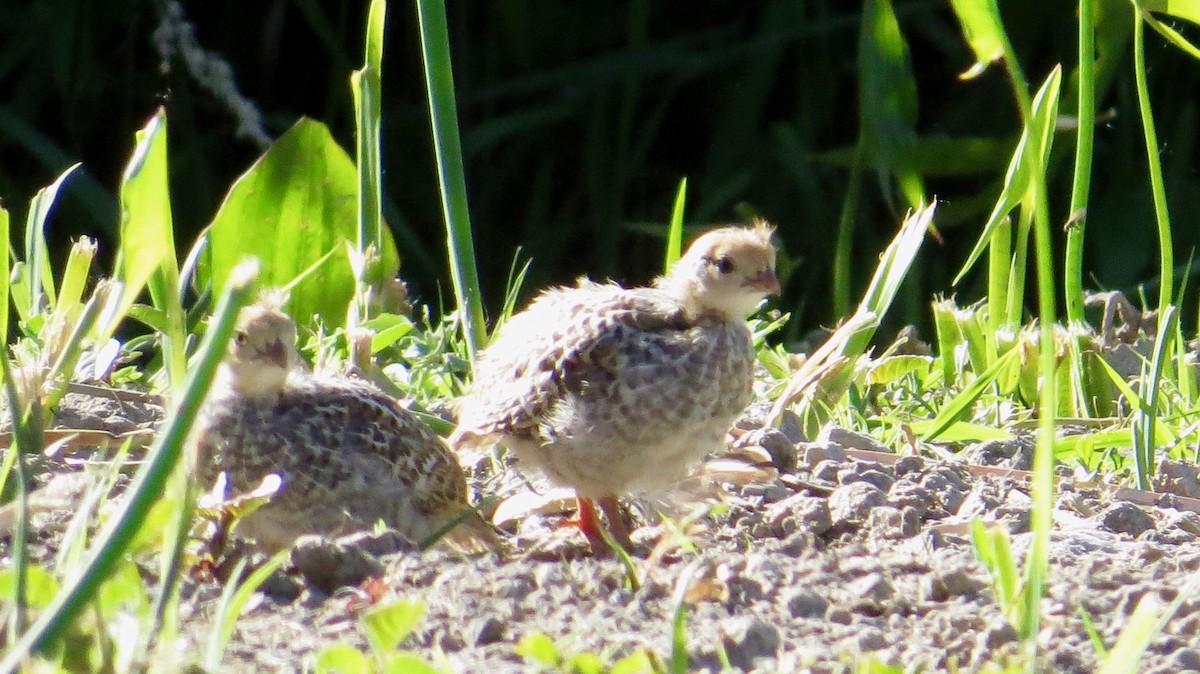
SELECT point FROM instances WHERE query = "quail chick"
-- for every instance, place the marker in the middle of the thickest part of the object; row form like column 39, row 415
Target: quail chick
column 348, row 455
column 611, row 390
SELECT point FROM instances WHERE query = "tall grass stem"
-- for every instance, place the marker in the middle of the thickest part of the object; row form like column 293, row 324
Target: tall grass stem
column 439, row 83
column 1161, row 215
column 1081, row 185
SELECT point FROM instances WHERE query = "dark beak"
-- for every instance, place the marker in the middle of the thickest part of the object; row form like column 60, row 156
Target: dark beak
column 765, row 281
column 276, row 353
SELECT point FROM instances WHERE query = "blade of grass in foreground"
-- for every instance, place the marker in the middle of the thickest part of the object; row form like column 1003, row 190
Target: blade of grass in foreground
column 147, row 485
column 439, row 83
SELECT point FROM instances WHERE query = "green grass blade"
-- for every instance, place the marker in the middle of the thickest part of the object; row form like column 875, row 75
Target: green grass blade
column 960, row 405
column 5, row 276
column 675, row 231
column 1084, row 141
column 36, row 256
column 980, row 21
column 1041, row 125
column 147, row 252
column 146, row 213
column 443, row 113
column 1166, row 283
column 367, row 87
column 233, row 598
column 1147, row 622
column 164, row 455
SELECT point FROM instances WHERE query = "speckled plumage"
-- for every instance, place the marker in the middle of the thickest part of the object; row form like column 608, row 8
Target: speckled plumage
column 611, row 390
column 347, row 454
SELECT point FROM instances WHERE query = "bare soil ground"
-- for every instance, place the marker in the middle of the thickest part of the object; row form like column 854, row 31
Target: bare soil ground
column 849, row 550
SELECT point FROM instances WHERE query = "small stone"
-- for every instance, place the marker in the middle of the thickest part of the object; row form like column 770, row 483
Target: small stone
column 907, row 494
column 799, row 512
column 839, row 614
column 1185, row 658
column 894, row 523
column 909, row 464
column 812, row 455
column 747, row 639
column 871, row 592
column 775, row 443
column 1177, row 477
column 1126, row 518
column 827, row 471
column 490, row 630
column 869, row 639
column 328, row 566
column 996, row 635
column 852, row 503
column 953, row 583
column 944, row 490
column 806, row 604
column 852, row 439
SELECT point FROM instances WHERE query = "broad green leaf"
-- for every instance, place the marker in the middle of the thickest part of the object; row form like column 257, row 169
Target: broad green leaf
column 294, row 206
column 124, row 590
column 386, row 626
column 981, row 26
column 342, row 659
column 538, row 648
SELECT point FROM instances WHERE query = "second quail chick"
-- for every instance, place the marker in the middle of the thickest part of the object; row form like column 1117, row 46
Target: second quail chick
column 611, row 390
column 348, row 455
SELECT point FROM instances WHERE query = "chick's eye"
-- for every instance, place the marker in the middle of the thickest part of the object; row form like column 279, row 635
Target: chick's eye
column 724, row 265
column 240, row 338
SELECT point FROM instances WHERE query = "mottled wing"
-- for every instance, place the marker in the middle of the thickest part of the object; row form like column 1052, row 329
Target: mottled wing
column 556, row 345
column 361, row 421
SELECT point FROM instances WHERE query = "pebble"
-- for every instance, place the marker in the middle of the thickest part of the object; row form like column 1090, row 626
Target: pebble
column 805, row 604
column 748, row 639
column 1126, row 518
column 852, row 439
column 852, row 503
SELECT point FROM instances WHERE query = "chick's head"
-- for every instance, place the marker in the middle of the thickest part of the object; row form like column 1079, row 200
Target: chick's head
column 262, row 351
column 727, row 271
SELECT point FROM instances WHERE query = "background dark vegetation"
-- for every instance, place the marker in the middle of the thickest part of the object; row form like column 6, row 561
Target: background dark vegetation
column 579, row 119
